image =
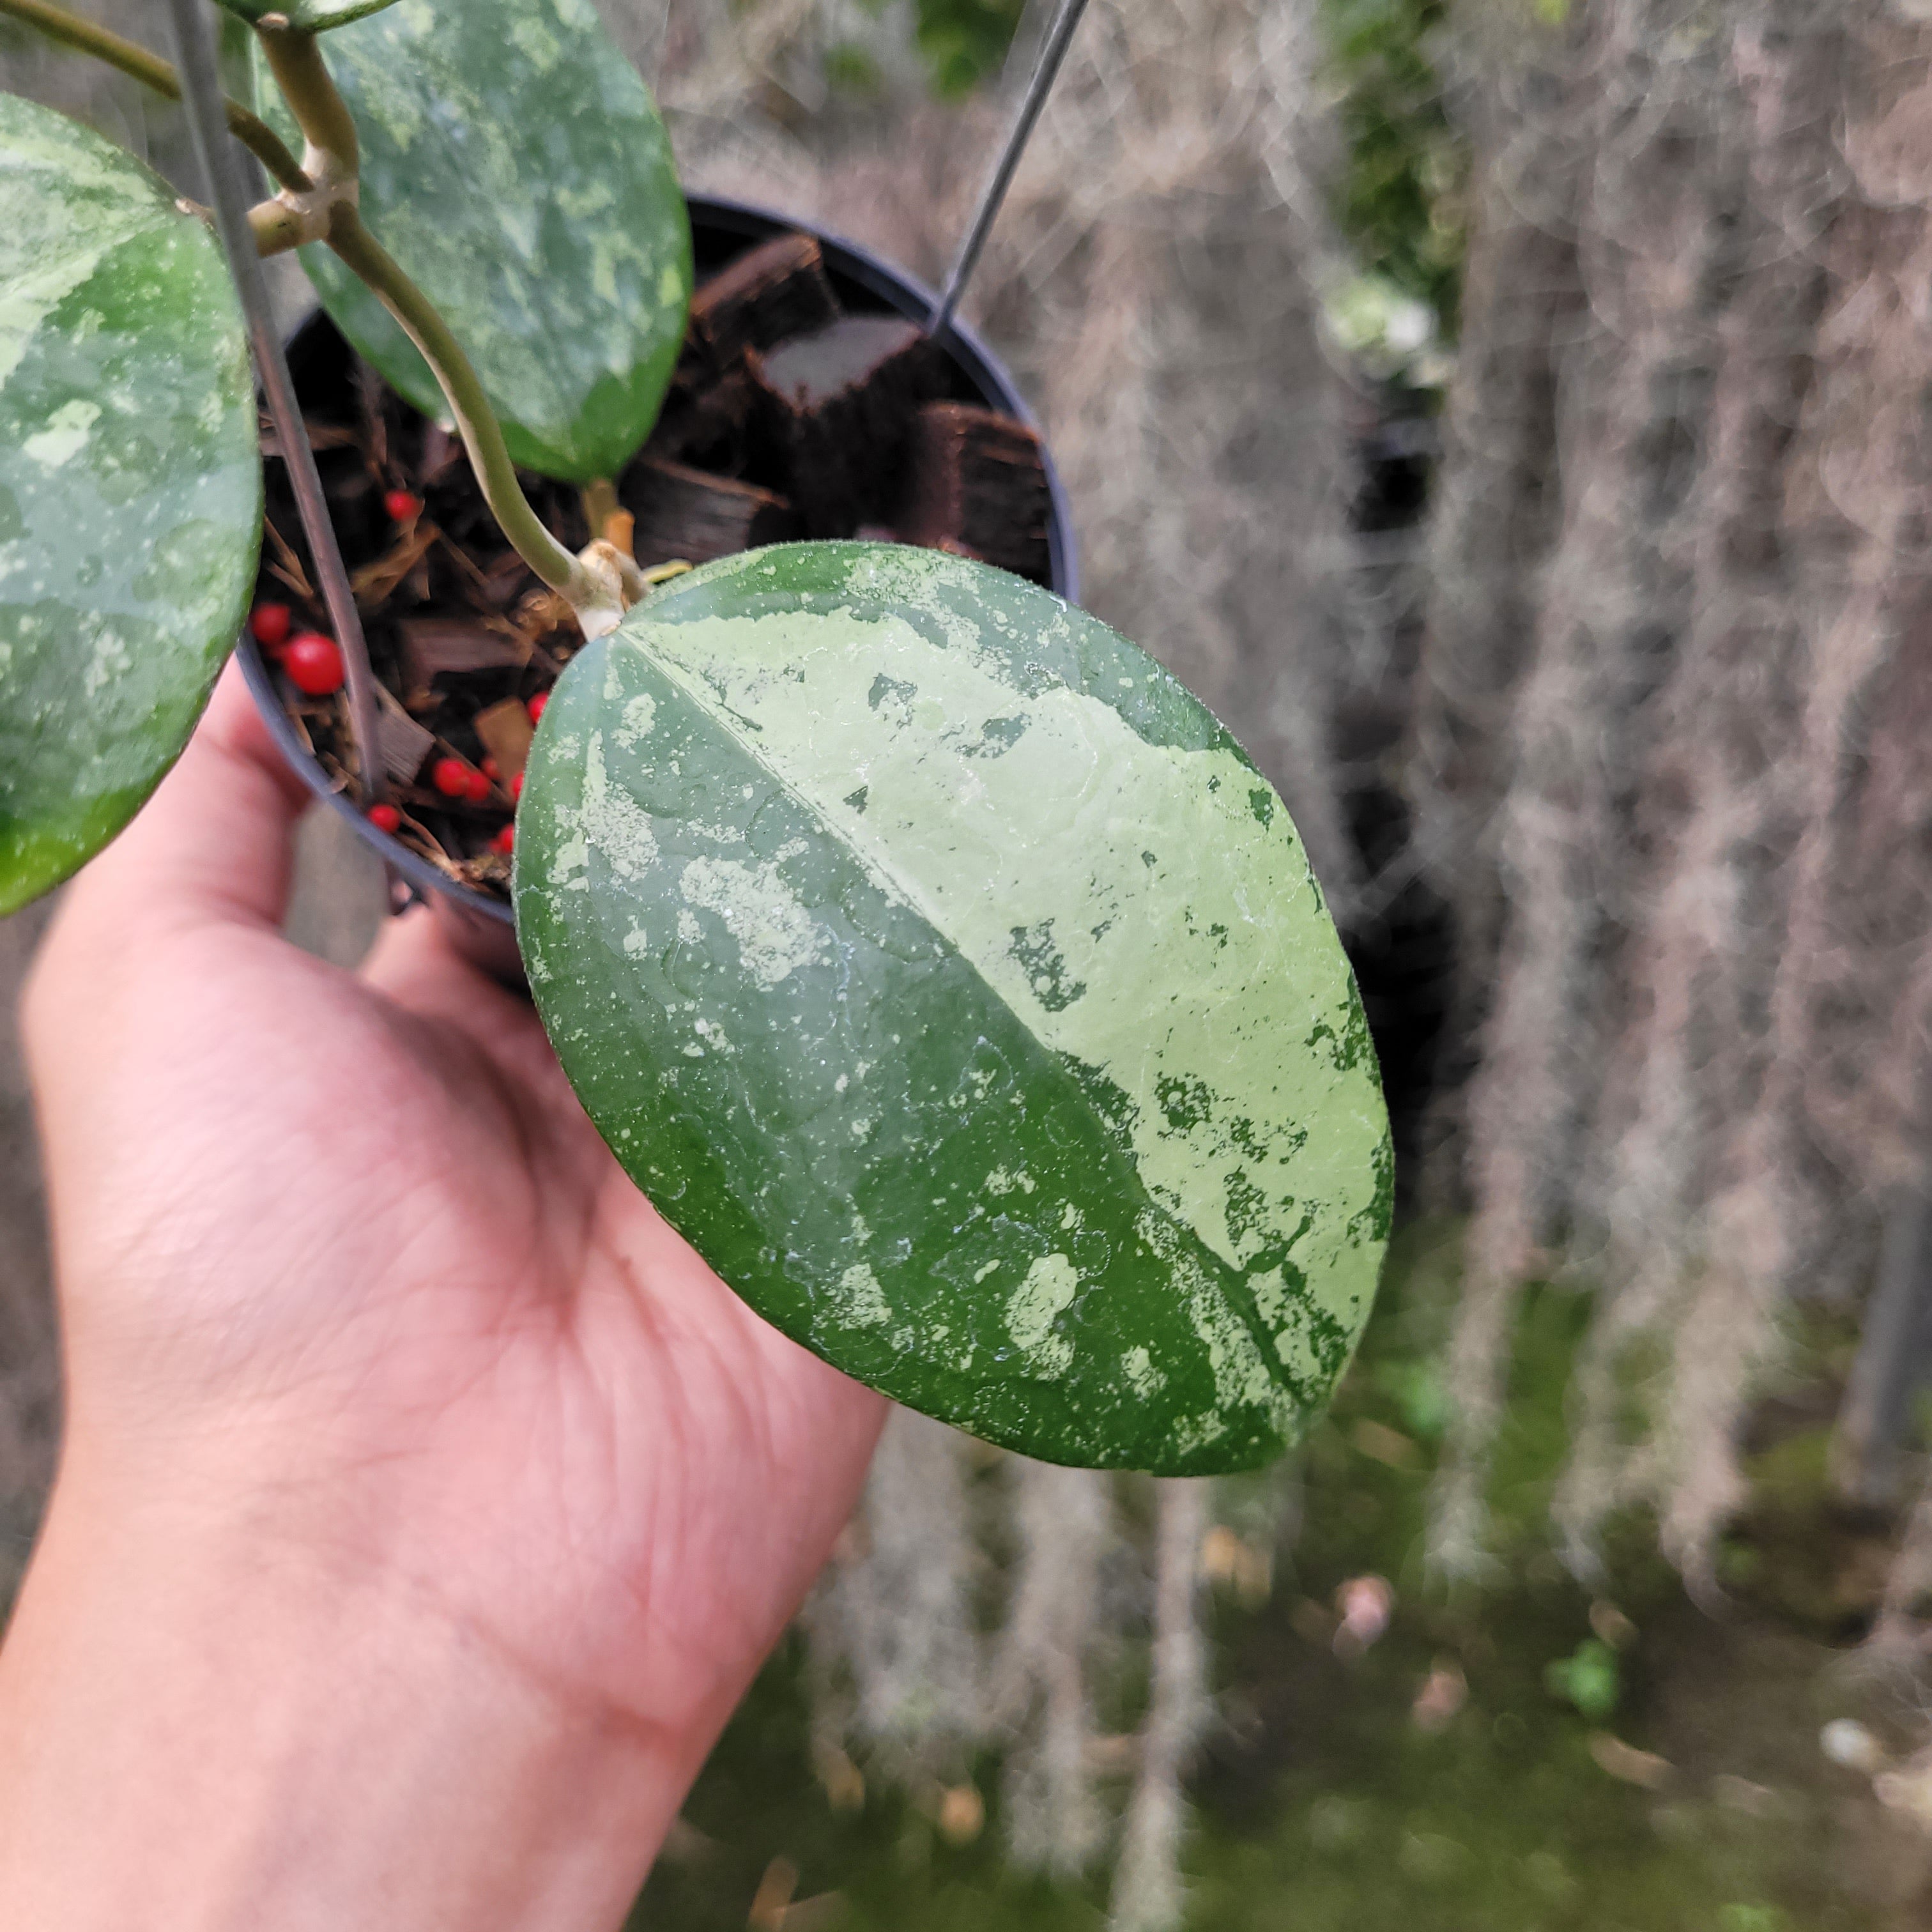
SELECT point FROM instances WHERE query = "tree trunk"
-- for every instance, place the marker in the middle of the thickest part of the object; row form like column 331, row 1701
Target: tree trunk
column 1895, row 1355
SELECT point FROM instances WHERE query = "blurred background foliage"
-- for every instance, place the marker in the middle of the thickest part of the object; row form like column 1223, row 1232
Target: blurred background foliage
column 961, row 43
column 1541, row 1756
column 964, row 42
column 1400, row 201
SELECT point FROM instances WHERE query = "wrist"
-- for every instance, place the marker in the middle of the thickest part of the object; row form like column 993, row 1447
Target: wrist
column 282, row 1740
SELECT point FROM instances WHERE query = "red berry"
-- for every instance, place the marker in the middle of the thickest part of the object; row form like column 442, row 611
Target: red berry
column 402, row 507
column 536, row 707
column 491, row 769
column 505, row 840
column 517, row 784
column 385, row 818
column 450, row 776
column 313, row 663
column 270, row 623
column 476, row 787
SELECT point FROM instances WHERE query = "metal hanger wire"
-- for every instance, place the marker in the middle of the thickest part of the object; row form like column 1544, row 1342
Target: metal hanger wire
column 1046, row 72
column 208, row 123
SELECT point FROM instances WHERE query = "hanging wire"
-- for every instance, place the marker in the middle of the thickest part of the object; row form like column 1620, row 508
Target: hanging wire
column 1000, row 179
column 207, row 119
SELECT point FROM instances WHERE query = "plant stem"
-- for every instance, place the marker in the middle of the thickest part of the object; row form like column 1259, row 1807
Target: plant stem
column 600, row 505
column 276, row 227
column 476, row 421
column 151, row 70
column 320, row 113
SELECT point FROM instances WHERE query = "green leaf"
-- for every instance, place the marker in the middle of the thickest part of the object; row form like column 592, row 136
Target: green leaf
column 948, row 976
column 1590, row 1679
column 315, row 16
column 131, row 488
column 514, row 163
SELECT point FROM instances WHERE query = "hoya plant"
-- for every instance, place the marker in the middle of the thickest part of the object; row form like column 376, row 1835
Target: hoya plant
column 939, row 966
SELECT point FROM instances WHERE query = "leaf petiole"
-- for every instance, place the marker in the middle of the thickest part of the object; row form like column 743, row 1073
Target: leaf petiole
column 476, row 423
column 334, row 155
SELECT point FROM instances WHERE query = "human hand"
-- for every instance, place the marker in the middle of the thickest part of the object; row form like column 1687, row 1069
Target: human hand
column 426, row 1504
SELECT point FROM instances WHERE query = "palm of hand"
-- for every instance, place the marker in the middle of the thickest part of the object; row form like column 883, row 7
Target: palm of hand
column 349, row 1243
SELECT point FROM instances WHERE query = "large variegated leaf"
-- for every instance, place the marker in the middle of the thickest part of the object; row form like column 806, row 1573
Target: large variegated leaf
column 947, row 975
column 514, row 164
column 314, row 17
column 131, row 488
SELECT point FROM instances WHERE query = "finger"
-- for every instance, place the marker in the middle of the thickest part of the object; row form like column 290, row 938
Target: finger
column 414, row 962
column 415, row 965
column 214, row 844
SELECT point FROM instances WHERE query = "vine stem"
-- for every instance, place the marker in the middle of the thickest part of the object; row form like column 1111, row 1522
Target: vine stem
column 572, row 577
column 151, row 71
column 600, row 505
column 334, row 155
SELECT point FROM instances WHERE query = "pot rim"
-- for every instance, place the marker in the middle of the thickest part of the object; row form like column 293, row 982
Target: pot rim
column 892, row 285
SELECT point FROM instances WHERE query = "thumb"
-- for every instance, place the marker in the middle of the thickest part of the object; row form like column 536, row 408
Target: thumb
column 215, row 844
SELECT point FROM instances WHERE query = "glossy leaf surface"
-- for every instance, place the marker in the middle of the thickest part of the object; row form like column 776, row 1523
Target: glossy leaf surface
column 315, row 16
column 515, row 165
column 946, row 973
column 131, row 488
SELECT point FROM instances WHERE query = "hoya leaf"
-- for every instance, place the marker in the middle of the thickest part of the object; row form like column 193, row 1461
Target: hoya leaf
column 314, row 17
column 948, row 977
column 131, row 488
column 514, row 164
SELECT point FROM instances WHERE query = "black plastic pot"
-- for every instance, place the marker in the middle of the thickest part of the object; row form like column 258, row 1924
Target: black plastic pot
column 480, row 926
